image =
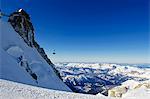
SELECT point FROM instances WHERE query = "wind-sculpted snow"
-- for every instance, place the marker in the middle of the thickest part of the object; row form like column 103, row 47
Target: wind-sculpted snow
column 93, row 78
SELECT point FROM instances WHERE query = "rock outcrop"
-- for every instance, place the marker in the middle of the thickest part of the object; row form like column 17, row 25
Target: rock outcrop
column 22, row 24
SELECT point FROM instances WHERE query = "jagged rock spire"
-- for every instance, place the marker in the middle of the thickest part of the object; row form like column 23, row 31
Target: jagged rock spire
column 20, row 21
column 22, row 24
column 23, row 12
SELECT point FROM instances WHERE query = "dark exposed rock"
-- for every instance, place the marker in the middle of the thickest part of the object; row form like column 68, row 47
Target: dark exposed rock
column 21, row 23
column 34, row 76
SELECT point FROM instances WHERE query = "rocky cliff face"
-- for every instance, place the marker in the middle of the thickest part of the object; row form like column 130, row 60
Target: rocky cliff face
column 22, row 24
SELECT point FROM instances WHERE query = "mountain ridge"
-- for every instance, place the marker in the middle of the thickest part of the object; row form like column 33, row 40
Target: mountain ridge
column 21, row 61
column 21, row 22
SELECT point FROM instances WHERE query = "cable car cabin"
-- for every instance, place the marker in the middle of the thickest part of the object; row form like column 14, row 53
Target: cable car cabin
column 54, row 52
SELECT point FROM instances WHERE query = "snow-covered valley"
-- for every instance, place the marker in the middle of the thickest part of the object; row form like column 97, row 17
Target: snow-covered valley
column 94, row 78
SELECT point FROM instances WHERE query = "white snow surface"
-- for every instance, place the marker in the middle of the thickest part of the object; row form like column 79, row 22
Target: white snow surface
column 12, row 46
column 131, row 84
column 139, row 93
column 12, row 90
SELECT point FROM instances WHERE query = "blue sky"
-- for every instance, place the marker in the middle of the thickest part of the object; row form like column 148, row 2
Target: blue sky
column 89, row 30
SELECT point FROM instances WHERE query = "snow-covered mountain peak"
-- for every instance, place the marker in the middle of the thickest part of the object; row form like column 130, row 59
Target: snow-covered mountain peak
column 21, row 23
column 22, row 59
column 20, row 10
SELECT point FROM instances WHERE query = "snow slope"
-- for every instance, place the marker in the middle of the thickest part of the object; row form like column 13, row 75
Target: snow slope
column 140, row 93
column 13, row 90
column 21, row 63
